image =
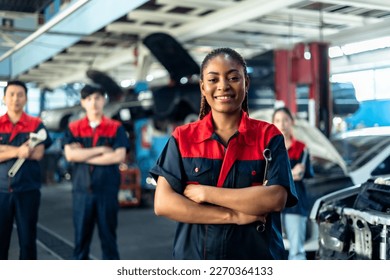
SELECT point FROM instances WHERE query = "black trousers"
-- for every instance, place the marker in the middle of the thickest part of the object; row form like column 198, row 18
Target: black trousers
column 23, row 208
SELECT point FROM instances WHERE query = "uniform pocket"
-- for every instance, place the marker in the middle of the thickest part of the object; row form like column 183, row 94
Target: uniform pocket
column 249, row 173
column 199, row 171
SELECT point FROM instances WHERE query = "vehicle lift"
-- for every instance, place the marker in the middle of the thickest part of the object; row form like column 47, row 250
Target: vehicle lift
column 292, row 69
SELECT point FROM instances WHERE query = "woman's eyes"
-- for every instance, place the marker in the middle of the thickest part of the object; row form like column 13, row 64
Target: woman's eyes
column 230, row 79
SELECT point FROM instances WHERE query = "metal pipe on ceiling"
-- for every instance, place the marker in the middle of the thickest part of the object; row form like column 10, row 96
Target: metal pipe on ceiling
column 46, row 27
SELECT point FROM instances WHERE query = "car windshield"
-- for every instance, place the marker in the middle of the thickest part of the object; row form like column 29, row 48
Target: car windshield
column 358, row 150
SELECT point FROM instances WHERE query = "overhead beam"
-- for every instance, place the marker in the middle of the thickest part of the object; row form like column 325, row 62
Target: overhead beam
column 280, row 29
column 358, row 34
column 131, row 28
column 90, row 49
column 229, row 16
column 205, row 4
column 329, row 18
column 72, row 57
column 245, row 40
column 371, row 4
column 156, row 16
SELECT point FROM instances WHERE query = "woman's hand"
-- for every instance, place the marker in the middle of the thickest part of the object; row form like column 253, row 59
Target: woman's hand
column 242, row 219
column 105, row 149
column 195, row 193
column 298, row 171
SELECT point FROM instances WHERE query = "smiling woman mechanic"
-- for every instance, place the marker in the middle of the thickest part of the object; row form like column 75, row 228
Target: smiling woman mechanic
column 210, row 174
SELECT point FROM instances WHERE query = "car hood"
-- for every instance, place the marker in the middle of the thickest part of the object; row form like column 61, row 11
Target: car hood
column 171, row 55
column 113, row 90
column 317, row 143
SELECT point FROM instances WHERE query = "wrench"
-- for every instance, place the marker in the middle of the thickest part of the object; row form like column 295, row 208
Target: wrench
column 260, row 226
column 268, row 158
column 35, row 139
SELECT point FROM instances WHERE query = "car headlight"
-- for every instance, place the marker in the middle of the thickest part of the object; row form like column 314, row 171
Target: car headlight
column 333, row 236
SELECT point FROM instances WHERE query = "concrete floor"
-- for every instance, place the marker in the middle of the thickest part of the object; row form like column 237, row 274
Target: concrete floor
column 141, row 234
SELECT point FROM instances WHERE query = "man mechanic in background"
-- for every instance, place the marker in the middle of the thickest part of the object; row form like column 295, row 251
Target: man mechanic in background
column 96, row 145
column 19, row 195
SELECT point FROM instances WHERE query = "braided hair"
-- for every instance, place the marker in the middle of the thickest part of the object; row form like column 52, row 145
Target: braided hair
column 204, row 106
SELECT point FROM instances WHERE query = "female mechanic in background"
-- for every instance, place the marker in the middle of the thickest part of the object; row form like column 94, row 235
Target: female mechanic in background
column 294, row 218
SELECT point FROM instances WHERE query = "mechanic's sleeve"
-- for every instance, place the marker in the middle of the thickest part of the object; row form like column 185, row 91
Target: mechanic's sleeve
column 121, row 139
column 68, row 138
column 309, row 172
column 47, row 143
column 169, row 166
column 279, row 172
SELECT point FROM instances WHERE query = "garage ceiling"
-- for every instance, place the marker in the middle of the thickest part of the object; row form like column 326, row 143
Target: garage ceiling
column 250, row 26
column 23, row 6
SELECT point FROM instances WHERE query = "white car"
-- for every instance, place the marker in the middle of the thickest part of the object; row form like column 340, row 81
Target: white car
column 354, row 223
column 366, row 152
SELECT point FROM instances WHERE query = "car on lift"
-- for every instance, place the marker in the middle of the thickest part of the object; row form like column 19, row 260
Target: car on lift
column 261, row 94
column 344, row 101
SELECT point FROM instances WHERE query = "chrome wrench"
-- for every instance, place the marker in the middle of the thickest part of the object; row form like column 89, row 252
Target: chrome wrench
column 260, row 226
column 268, row 158
column 35, row 139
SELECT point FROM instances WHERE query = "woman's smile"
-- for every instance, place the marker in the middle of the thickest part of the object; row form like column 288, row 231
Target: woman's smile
column 225, row 97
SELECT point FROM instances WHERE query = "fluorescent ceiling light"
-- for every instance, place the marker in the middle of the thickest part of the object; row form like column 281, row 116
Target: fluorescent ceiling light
column 364, row 46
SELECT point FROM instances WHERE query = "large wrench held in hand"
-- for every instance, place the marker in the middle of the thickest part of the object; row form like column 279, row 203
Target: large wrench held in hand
column 35, row 139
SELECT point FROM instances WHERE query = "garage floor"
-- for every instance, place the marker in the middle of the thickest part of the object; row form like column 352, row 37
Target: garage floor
column 141, row 234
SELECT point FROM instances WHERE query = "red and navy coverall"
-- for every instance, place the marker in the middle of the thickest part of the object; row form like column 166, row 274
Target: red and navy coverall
column 294, row 218
column 95, row 187
column 20, row 195
column 195, row 154
column 296, row 153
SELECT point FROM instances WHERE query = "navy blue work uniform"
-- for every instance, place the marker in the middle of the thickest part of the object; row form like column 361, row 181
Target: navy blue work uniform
column 20, row 195
column 298, row 153
column 95, row 187
column 195, row 154
column 294, row 219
